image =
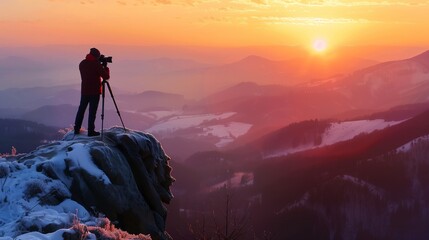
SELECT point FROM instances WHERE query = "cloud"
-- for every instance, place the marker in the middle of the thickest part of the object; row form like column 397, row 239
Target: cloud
column 162, row 2
column 309, row 20
column 159, row 2
column 81, row 1
column 124, row 3
column 325, row 3
column 259, row 1
column 348, row 3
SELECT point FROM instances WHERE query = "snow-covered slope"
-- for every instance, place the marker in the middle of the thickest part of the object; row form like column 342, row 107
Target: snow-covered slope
column 217, row 126
column 338, row 132
column 126, row 177
column 406, row 147
column 342, row 131
column 182, row 122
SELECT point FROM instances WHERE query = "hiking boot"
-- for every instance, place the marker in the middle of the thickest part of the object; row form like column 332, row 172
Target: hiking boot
column 93, row 133
column 77, row 131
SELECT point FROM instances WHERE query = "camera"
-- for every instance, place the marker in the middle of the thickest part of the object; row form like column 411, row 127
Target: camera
column 104, row 60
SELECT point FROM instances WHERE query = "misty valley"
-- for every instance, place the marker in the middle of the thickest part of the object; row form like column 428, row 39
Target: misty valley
column 263, row 149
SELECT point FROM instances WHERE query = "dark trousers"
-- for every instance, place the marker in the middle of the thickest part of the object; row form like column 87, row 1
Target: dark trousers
column 93, row 101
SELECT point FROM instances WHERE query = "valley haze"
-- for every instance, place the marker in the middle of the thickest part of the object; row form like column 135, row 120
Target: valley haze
column 189, row 70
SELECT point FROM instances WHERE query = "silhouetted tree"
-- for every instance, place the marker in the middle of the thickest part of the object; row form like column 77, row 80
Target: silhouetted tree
column 226, row 223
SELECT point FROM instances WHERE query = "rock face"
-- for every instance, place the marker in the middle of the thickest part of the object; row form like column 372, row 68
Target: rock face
column 126, row 177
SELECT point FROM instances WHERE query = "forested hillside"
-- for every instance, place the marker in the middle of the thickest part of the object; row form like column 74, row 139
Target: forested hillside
column 25, row 136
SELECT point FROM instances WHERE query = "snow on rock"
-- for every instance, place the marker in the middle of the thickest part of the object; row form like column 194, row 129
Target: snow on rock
column 126, row 178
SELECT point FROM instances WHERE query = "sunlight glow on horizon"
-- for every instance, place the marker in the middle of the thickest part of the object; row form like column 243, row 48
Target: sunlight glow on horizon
column 320, row 45
column 213, row 23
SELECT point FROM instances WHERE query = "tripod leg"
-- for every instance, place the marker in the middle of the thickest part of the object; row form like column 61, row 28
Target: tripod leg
column 103, row 94
column 116, row 106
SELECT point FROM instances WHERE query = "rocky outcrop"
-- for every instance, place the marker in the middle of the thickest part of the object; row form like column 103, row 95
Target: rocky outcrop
column 126, row 178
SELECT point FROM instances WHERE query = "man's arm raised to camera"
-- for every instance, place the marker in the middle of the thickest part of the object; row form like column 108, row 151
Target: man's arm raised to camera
column 104, row 72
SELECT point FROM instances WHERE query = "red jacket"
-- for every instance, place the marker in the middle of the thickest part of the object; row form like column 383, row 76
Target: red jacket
column 91, row 72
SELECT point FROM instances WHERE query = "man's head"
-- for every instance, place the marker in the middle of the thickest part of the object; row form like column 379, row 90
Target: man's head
column 95, row 52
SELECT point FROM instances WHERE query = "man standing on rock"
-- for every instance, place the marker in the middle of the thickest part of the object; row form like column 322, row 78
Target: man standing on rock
column 92, row 73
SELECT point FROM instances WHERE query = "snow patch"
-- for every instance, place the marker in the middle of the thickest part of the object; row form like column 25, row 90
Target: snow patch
column 238, row 179
column 226, row 132
column 187, row 121
column 339, row 132
column 23, row 187
column 407, row 147
column 82, row 160
column 201, row 125
column 157, row 115
column 18, row 204
column 343, row 131
column 359, row 182
column 289, row 151
column 301, row 202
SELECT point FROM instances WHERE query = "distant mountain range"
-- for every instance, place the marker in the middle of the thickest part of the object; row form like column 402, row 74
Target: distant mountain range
column 254, row 109
column 201, row 80
column 387, row 84
column 34, row 97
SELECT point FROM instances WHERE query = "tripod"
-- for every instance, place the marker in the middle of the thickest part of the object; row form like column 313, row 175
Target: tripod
column 104, row 83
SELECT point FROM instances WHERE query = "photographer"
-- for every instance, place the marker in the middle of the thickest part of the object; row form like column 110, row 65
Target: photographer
column 92, row 72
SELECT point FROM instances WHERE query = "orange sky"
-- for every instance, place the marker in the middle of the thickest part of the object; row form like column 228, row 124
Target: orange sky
column 214, row 22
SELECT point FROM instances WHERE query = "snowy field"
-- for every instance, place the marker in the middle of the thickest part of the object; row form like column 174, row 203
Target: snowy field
column 186, row 121
column 339, row 132
column 406, row 147
column 343, row 131
column 158, row 115
column 226, row 132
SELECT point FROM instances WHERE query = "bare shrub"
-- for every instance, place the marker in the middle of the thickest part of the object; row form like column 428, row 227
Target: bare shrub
column 33, row 189
column 105, row 231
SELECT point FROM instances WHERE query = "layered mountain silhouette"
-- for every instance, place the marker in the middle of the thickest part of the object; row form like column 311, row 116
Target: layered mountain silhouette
column 388, row 84
column 201, row 81
column 367, row 187
column 338, row 189
column 285, row 171
column 265, row 107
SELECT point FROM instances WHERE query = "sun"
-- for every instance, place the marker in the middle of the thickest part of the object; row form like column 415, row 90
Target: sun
column 320, row 45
